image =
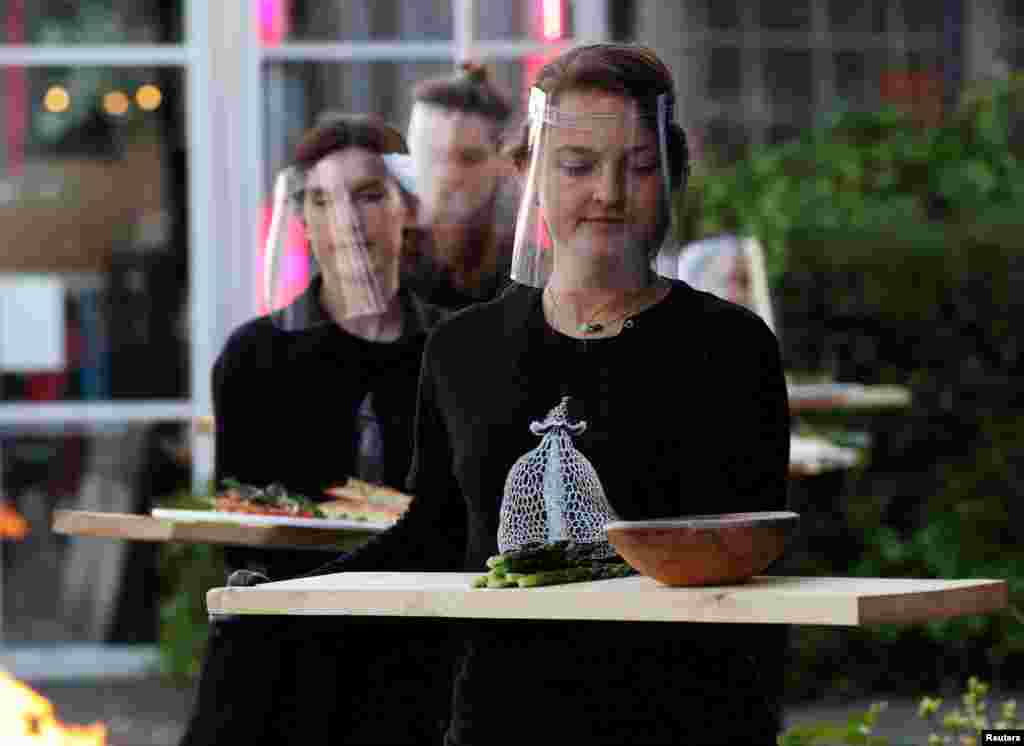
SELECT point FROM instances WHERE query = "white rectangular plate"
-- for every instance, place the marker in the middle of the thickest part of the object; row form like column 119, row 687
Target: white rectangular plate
column 253, row 519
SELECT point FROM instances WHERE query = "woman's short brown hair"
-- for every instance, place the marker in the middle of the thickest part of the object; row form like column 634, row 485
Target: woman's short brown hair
column 469, row 90
column 629, row 70
column 336, row 132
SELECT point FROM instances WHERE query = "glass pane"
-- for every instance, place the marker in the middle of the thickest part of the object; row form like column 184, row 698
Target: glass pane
column 860, row 16
column 788, row 77
column 722, row 15
column 725, row 72
column 923, row 15
column 353, row 20
column 92, row 202
column 792, row 15
column 62, row 23
column 59, row 588
column 298, row 93
column 852, row 81
column 548, row 20
column 1014, row 12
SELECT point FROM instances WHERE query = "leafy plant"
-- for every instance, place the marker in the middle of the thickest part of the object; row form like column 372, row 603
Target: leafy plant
column 875, row 175
column 187, row 571
column 957, row 726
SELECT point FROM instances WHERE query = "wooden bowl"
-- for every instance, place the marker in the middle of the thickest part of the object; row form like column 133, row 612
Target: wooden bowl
column 703, row 549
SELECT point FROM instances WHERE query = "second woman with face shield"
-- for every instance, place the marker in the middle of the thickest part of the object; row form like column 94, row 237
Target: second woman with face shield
column 292, row 391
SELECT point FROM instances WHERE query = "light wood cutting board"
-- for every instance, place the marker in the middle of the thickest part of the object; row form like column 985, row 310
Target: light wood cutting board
column 765, row 599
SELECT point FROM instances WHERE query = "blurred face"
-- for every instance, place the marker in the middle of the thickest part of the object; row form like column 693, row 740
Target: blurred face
column 601, row 187
column 455, row 158
column 355, row 215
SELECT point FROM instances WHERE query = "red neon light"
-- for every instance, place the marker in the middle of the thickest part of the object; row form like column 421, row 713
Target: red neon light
column 551, row 20
column 274, row 16
column 16, row 85
column 294, row 265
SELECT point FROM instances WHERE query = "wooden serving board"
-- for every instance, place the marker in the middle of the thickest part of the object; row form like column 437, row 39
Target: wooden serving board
column 817, row 397
column 765, row 599
column 132, row 527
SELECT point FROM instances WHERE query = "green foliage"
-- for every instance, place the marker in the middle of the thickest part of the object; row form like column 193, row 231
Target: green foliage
column 878, row 177
column 960, row 726
column 187, row 572
column 858, row 730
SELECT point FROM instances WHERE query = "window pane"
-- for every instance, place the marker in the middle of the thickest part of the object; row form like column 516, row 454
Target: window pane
column 534, row 19
column 866, row 15
column 722, row 15
column 62, row 23
column 852, row 82
column 353, row 20
column 724, row 72
column 297, row 94
column 59, row 588
column 92, row 205
column 789, row 15
column 788, row 79
column 923, row 15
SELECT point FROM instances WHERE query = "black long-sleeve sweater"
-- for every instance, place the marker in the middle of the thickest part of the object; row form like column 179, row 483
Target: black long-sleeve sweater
column 687, row 414
column 286, row 404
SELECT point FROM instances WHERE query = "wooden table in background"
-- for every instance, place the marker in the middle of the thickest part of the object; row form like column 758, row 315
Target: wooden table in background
column 132, row 527
column 818, row 397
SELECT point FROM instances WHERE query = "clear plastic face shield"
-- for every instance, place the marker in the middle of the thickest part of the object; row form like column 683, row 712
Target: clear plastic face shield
column 596, row 187
column 455, row 162
column 352, row 211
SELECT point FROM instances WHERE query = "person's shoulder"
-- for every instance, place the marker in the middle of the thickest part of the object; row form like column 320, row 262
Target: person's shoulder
column 485, row 320
column 250, row 339
column 719, row 316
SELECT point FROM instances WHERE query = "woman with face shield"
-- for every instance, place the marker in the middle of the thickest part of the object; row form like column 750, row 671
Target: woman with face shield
column 466, row 189
column 674, row 397
column 347, row 342
column 292, row 390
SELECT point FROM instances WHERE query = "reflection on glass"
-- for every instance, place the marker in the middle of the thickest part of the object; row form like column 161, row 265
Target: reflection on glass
column 539, row 20
column 298, row 93
column 88, row 22
column 92, row 207
column 353, row 20
column 60, row 588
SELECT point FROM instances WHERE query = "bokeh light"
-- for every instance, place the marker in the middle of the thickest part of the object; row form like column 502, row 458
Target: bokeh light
column 116, row 103
column 57, row 99
column 148, row 97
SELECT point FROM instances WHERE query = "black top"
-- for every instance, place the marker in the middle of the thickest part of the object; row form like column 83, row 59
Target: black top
column 286, row 407
column 687, row 413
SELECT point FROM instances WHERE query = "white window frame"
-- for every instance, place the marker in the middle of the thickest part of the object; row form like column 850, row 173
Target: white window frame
column 192, row 56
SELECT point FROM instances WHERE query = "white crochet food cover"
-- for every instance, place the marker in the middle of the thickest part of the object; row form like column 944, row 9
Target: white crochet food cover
column 553, row 491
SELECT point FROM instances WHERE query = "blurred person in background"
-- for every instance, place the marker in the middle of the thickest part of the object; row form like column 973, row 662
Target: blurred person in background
column 467, row 191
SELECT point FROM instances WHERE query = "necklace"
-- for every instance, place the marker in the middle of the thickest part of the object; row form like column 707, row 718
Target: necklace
column 592, row 327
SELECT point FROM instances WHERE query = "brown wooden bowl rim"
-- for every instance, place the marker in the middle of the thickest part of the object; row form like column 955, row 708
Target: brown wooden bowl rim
column 718, row 520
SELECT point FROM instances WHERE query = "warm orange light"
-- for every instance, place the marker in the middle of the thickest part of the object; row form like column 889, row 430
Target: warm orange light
column 56, row 99
column 551, row 20
column 148, row 97
column 116, row 103
column 27, row 719
column 12, row 524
